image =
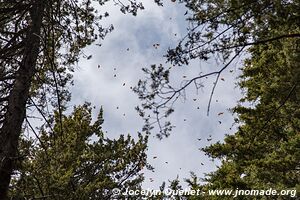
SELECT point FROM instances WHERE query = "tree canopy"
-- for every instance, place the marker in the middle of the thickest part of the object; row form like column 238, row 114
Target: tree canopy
column 82, row 164
column 264, row 152
column 40, row 41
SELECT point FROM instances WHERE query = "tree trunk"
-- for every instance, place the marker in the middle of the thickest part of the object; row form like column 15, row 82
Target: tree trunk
column 16, row 110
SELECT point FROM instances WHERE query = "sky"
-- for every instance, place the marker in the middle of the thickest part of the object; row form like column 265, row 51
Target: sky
column 122, row 55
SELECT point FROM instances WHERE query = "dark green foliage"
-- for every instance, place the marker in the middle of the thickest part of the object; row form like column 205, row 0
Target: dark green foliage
column 265, row 152
column 220, row 27
column 40, row 41
column 82, row 164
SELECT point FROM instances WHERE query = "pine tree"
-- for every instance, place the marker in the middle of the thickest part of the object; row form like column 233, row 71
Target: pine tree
column 40, row 41
column 265, row 152
column 82, row 164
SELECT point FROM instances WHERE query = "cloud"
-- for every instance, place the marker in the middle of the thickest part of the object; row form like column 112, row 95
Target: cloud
column 122, row 55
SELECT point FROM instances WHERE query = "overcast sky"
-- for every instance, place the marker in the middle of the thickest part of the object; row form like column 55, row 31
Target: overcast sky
column 122, row 55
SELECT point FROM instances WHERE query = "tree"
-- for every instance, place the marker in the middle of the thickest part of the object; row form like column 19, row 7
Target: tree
column 82, row 164
column 222, row 31
column 264, row 153
column 39, row 43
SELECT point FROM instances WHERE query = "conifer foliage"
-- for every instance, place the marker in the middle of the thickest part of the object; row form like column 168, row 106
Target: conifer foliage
column 82, row 164
column 40, row 41
column 265, row 151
